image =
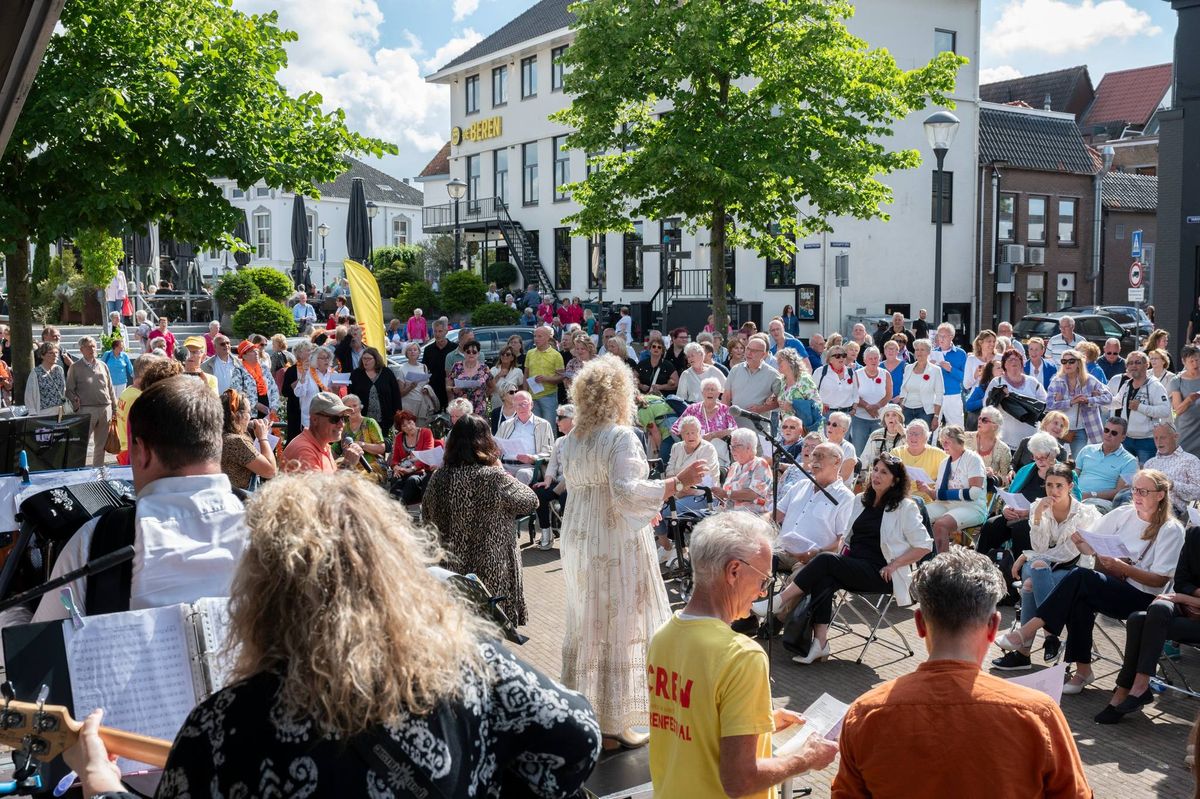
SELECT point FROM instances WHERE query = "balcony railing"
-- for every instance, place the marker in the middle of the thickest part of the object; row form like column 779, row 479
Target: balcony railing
column 440, row 218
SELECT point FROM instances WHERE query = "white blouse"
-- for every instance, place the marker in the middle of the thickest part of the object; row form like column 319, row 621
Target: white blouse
column 870, row 389
column 837, row 391
column 925, row 390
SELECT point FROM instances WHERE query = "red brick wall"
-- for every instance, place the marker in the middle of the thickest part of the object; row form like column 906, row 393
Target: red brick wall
column 1117, row 258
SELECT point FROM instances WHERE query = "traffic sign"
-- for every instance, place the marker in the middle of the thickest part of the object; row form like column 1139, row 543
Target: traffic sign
column 1135, row 274
column 1137, row 294
column 1136, row 244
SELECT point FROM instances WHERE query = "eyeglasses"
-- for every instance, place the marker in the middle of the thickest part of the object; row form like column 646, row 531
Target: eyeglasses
column 338, row 419
column 1110, row 432
column 762, row 586
column 1145, row 492
column 983, row 419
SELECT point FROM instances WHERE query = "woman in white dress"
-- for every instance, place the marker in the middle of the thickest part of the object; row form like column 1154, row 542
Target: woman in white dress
column 615, row 599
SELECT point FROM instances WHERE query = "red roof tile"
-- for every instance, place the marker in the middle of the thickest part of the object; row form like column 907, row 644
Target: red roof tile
column 440, row 165
column 1130, row 96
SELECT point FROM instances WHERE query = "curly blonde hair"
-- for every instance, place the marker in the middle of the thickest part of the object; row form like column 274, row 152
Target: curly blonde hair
column 602, row 393
column 341, row 604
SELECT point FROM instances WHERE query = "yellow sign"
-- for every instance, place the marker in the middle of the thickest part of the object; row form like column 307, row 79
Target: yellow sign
column 456, row 135
column 488, row 128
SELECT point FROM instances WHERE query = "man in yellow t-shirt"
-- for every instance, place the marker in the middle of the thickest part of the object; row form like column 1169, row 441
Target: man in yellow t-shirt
column 545, row 364
column 917, row 452
column 710, row 696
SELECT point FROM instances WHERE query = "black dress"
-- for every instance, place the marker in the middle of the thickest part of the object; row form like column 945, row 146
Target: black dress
column 514, row 732
column 387, row 389
column 293, row 404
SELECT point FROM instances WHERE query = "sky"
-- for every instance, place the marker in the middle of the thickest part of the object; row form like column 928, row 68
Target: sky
column 369, row 57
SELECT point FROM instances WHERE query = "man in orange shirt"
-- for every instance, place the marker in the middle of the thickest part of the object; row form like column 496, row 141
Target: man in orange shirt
column 309, row 451
column 945, row 705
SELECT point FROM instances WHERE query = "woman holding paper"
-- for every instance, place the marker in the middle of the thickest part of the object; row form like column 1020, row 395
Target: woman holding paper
column 960, row 488
column 1139, row 545
column 1053, row 521
column 1027, row 487
column 374, row 384
column 416, row 396
column 409, row 472
column 470, row 378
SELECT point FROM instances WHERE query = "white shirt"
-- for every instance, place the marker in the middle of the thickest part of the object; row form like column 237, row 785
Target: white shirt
column 524, row 431
column 624, row 328
column 808, row 514
column 190, row 533
column 926, row 390
column 837, row 391
column 1057, row 345
column 689, row 383
column 870, row 391
column 223, row 371
column 1160, row 557
column 1152, row 404
column 962, row 471
column 1012, row 431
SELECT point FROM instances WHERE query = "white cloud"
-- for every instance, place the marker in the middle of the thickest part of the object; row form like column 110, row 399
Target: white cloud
column 464, row 9
column 381, row 88
column 996, row 74
column 1055, row 27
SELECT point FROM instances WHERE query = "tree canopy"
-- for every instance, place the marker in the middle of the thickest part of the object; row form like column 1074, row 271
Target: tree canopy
column 732, row 114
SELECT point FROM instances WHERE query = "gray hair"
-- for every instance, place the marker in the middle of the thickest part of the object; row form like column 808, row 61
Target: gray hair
column 840, row 416
column 872, row 350
column 706, row 381
column 303, row 347
column 1119, row 421
column 957, row 590
column 722, row 537
column 946, row 326
column 1069, row 320
column 923, row 342
column 1042, row 444
column 690, row 421
column 322, row 351
column 460, row 404
column 792, row 359
column 743, row 438
column 86, row 340
column 1167, row 424
column 692, row 347
column 920, row 424
column 993, row 413
column 955, row 433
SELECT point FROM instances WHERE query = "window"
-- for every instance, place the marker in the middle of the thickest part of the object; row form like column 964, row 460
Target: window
column 262, row 191
column 597, row 262
column 473, row 183
column 472, row 94
column 1066, row 221
column 556, row 68
column 944, row 41
column 528, row 77
column 262, row 234
column 500, row 175
column 1120, row 232
column 562, row 258
column 947, row 194
column 632, row 275
column 781, row 274
column 1035, row 294
column 1065, row 299
column 499, row 86
column 529, row 173
column 562, row 169
column 399, row 232
column 312, row 233
column 1036, row 225
column 236, row 193
column 1006, row 230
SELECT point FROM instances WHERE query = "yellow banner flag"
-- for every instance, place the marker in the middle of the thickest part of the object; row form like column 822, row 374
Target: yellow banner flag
column 368, row 305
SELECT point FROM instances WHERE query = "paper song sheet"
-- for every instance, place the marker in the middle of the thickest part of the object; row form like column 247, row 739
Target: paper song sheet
column 432, row 457
column 796, row 544
column 510, row 448
column 936, row 356
column 918, row 474
column 1110, row 546
column 823, row 717
column 1014, row 501
column 1048, row 681
column 136, row 666
column 416, row 377
column 533, row 384
column 466, row 384
column 339, row 379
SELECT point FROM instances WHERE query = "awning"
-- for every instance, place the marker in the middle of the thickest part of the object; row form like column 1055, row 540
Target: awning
column 25, row 28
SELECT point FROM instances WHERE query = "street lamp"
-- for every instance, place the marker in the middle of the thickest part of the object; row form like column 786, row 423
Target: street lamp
column 372, row 211
column 940, row 129
column 323, row 230
column 457, row 190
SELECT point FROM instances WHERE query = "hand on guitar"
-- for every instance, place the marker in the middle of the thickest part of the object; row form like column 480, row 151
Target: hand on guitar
column 89, row 759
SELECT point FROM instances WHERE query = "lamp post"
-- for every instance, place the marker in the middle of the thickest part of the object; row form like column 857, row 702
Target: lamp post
column 456, row 189
column 323, row 230
column 372, row 211
column 940, row 129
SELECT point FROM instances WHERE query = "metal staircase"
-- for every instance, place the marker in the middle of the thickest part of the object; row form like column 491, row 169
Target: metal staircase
column 523, row 253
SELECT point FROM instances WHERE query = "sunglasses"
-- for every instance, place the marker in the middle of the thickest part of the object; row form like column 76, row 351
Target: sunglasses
column 766, row 581
column 839, row 355
column 1070, row 360
column 1109, row 432
column 338, row 419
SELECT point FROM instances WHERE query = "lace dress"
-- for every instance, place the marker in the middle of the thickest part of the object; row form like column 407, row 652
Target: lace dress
column 615, row 598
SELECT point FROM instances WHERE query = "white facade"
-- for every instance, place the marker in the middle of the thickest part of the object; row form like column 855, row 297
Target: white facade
column 891, row 262
column 269, row 216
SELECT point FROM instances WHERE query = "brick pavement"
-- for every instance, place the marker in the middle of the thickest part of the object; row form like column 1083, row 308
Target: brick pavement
column 1141, row 757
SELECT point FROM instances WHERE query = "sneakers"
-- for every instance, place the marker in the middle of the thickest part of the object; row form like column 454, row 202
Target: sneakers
column 547, row 538
column 1012, row 661
column 1051, row 648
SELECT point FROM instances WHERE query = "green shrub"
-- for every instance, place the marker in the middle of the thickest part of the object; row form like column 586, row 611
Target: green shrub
column 494, row 313
column 272, row 282
column 100, row 254
column 463, row 292
column 407, row 254
column 393, row 278
column 264, row 316
column 236, row 289
column 416, row 295
column 502, row 273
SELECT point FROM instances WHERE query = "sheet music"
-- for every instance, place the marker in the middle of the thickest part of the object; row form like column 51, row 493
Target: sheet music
column 1108, row 545
column 211, row 620
column 534, row 385
column 465, row 384
column 1014, row 501
column 416, row 377
column 433, row 457
column 339, row 379
column 1048, row 681
column 510, row 448
column 823, row 717
column 797, row 544
column 136, row 666
column 918, row 474
column 936, row 356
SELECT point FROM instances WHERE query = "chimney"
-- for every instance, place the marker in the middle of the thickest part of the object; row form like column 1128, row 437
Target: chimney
column 1047, row 105
column 405, row 181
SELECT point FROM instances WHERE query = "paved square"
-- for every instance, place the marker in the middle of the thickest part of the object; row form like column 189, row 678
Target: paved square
column 1140, row 757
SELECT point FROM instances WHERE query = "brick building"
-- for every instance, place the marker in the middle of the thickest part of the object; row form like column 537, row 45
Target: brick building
column 1130, row 203
column 1037, row 186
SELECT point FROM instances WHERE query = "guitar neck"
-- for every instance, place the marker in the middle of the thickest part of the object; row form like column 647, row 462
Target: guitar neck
column 141, row 748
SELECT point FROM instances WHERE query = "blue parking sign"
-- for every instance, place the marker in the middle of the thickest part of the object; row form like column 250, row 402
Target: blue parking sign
column 1137, row 244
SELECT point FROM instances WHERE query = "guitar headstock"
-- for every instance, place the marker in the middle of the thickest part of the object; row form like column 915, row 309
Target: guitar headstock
column 38, row 730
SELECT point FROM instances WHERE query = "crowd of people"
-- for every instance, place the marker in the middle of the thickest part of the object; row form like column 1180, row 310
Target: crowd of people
column 902, row 465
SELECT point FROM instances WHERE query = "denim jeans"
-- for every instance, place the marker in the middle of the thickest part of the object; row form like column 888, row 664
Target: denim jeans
column 547, row 408
column 861, row 430
column 917, row 413
column 1142, row 448
column 1079, row 442
column 1043, row 581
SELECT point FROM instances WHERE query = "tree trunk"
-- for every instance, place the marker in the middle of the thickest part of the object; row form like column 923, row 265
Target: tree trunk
column 20, row 318
column 716, row 268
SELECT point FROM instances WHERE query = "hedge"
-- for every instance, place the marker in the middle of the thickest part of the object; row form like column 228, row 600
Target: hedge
column 494, row 313
column 236, row 289
column 391, row 279
column 463, row 292
column 416, row 295
column 272, row 282
column 407, row 254
column 264, row 316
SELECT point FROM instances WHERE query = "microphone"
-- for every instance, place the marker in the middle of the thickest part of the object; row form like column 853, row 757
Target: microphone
column 96, row 566
column 347, row 441
column 751, row 415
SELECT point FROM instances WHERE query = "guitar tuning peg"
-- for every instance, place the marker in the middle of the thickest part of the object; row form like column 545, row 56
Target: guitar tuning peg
column 43, row 695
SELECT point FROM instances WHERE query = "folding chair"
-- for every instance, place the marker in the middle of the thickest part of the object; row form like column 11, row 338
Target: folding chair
column 1164, row 681
column 871, row 610
column 968, row 535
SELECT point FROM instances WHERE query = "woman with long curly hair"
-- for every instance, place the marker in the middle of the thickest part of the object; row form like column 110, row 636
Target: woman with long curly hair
column 360, row 673
column 615, row 598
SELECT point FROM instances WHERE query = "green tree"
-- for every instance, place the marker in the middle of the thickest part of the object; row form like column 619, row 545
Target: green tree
column 416, row 295
column 136, row 105
column 502, row 273
column 100, row 254
column 264, row 316
column 437, row 257
column 463, row 292
column 736, row 154
column 271, row 281
column 236, row 289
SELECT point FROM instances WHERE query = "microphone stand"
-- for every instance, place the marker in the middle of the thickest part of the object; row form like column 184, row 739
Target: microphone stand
column 96, row 566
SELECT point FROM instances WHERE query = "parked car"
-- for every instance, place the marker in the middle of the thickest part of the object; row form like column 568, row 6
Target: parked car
column 1092, row 327
column 1127, row 316
column 492, row 339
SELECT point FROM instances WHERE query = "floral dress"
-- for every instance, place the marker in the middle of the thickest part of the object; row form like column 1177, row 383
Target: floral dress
column 52, row 386
column 477, row 396
column 803, row 389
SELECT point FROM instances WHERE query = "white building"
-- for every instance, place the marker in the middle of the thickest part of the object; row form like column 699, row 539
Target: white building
column 503, row 145
column 269, row 216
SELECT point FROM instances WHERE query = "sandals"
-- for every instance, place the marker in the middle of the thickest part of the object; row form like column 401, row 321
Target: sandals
column 1012, row 641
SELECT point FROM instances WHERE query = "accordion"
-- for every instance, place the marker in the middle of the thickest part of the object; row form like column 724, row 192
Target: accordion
column 56, row 513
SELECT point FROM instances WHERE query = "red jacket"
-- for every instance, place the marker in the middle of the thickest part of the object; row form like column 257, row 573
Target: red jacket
column 425, row 440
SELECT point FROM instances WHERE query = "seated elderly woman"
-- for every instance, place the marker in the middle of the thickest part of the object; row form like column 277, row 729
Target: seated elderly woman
column 1170, row 617
column 986, row 442
column 691, row 447
column 1012, row 524
column 889, row 436
column 410, row 473
column 1051, row 553
column 552, row 489
column 1057, row 425
column 917, row 452
column 884, row 539
column 837, row 431
column 747, row 486
column 1117, row 587
column 960, row 488
column 716, row 422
